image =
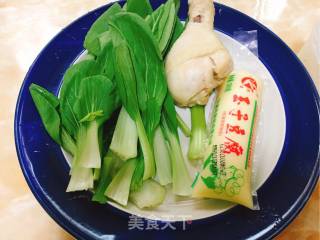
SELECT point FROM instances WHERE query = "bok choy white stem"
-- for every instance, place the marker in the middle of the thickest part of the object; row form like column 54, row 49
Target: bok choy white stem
column 198, row 133
column 125, row 137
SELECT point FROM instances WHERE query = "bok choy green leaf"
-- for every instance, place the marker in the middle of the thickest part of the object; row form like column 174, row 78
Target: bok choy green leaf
column 47, row 105
column 97, row 35
column 137, row 178
column 162, row 22
column 140, row 7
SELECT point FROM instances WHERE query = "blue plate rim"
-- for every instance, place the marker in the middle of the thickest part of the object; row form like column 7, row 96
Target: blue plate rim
column 297, row 206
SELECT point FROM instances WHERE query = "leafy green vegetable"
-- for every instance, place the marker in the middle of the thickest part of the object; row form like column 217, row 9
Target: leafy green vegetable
column 81, row 179
column 162, row 22
column 126, row 85
column 177, row 31
column 181, row 180
column 104, row 62
column 110, row 165
column 125, row 138
column 137, row 178
column 125, row 60
column 166, row 27
column 162, row 158
column 140, row 7
column 148, row 71
column 96, row 174
column 177, row 5
column 169, row 114
column 119, row 188
column 94, row 106
column 88, row 56
column 47, row 104
column 69, row 92
column 86, row 103
column 151, row 194
column 198, row 138
column 94, row 37
column 102, row 138
column 43, row 93
column 96, row 99
column 67, row 142
column 183, row 126
column 88, row 153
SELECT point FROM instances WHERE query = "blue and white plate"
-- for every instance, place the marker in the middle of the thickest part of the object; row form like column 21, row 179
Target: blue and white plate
column 286, row 159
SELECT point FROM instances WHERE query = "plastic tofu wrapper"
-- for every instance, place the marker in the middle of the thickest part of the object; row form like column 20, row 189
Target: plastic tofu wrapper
column 227, row 168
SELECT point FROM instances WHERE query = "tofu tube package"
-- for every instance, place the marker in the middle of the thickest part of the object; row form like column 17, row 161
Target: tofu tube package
column 227, row 168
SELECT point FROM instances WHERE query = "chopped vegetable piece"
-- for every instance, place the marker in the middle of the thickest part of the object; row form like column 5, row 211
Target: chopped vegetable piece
column 137, row 178
column 67, row 142
column 96, row 174
column 125, row 137
column 181, row 180
column 110, row 165
column 81, row 179
column 119, row 188
column 150, row 195
column 183, row 126
column 88, row 152
column 198, row 140
column 162, row 158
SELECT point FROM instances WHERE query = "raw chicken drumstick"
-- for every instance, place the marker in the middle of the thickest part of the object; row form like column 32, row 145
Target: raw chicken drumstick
column 196, row 64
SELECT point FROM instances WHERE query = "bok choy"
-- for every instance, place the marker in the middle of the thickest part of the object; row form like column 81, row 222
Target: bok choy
column 126, row 85
column 149, row 195
column 181, row 180
column 47, row 105
column 137, row 52
column 124, row 69
column 119, row 188
column 98, row 35
column 87, row 103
